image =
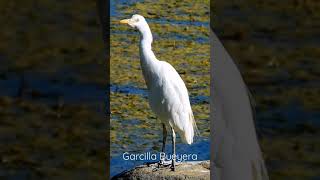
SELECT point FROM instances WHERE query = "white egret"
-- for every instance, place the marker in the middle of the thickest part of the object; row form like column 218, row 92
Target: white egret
column 168, row 95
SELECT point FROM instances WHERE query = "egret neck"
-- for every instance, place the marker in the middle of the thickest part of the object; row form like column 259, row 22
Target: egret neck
column 147, row 57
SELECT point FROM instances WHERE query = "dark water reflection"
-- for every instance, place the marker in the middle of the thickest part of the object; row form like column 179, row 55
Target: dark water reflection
column 48, row 89
column 131, row 89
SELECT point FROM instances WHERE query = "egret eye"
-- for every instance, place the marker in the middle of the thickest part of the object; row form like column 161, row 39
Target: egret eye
column 137, row 20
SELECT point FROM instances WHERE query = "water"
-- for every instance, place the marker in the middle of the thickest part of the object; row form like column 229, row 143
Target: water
column 179, row 22
column 133, row 140
column 175, row 36
column 113, row 6
column 119, row 164
column 130, row 89
column 40, row 87
column 287, row 117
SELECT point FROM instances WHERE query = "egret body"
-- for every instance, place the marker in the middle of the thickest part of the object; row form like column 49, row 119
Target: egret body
column 168, row 95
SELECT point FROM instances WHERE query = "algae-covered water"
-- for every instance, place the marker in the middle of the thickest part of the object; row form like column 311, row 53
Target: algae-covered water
column 52, row 91
column 277, row 47
column 181, row 37
column 53, row 82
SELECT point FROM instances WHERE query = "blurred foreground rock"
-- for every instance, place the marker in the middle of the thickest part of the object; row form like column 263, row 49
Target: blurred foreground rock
column 197, row 170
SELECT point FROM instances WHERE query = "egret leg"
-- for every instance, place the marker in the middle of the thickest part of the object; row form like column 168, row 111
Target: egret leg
column 173, row 150
column 164, row 139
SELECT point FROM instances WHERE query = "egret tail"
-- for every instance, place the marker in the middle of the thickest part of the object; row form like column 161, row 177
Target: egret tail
column 190, row 131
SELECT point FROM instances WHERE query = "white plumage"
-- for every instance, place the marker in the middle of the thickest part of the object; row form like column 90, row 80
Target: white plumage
column 169, row 99
column 168, row 95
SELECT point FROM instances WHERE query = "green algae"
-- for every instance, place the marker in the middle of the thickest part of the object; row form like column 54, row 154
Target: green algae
column 178, row 10
column 131, row 114
column 46, row 36
column 49, row 144
column 293, row 155
column 184, row 59
column 41, row 139
column 162, row 29
column 273, row 43
column 175, row 43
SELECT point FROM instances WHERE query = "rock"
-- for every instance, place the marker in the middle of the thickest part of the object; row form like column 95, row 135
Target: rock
column 195, row 170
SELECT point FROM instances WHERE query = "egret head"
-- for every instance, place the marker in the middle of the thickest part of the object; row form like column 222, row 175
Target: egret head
column 136, row 21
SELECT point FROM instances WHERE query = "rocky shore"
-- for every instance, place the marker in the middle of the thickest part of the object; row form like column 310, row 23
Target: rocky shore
column 196, row 170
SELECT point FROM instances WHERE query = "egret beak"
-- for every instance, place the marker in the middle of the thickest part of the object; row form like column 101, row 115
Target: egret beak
column 125, row 21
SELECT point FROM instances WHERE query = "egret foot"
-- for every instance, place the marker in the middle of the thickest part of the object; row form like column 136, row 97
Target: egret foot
column 173, row 168
column 162, row 163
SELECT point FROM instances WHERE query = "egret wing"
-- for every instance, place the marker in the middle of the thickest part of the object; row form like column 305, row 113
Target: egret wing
column 176, row 96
